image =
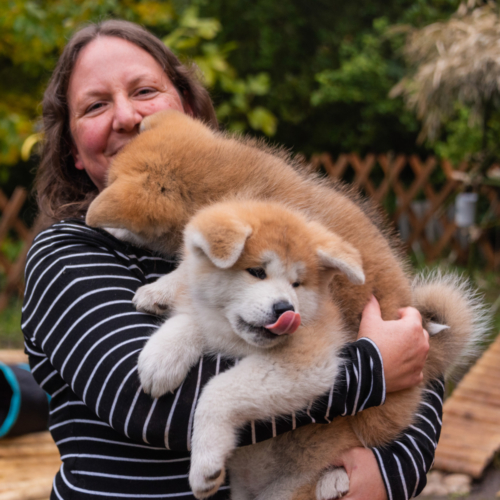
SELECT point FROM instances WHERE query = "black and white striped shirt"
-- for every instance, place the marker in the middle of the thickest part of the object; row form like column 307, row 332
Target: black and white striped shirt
column 83, row 337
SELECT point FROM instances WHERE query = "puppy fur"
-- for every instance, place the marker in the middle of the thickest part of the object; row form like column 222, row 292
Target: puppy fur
column 179, row 166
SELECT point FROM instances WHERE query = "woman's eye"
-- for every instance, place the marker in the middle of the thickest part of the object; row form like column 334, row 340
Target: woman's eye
column 258, row 272
column 296, row 284
column 94, row 107
column 145, row 91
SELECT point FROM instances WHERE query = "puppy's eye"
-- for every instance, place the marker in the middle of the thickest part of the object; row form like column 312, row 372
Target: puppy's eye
column 296, row 284
column 258, row 272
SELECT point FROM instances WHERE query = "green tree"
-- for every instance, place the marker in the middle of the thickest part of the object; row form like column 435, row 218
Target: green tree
column 331, row 67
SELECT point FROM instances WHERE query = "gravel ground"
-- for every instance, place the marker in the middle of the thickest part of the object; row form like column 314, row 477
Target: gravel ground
column 485, row 489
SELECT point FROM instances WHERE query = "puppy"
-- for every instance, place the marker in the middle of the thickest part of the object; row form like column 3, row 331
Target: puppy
column 254, row 285
column 178, row 166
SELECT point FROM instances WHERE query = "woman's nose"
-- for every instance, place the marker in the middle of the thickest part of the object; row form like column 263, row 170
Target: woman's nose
column 126, row 117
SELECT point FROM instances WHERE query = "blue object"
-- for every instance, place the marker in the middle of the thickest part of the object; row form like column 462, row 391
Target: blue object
column 24, row 407
column 15, row 400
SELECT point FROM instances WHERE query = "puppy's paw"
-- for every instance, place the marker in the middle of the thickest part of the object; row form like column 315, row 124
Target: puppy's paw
column 160, row 371
column 334, row 483
column 151, row 299
column 206, row 476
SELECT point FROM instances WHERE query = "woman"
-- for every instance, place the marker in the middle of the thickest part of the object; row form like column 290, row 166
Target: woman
column 83, row 335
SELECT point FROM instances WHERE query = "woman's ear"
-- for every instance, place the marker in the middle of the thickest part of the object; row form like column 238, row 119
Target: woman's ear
column 219, row 235
column 76, row 157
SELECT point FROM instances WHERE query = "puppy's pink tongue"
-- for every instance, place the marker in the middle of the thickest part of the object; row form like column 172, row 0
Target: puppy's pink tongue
column 288, row 322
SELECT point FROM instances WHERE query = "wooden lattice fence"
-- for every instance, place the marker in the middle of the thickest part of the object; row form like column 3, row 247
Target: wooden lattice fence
column 422, row 212
column 12, row 226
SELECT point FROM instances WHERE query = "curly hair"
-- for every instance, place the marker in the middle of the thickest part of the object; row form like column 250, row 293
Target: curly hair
column 61, row 189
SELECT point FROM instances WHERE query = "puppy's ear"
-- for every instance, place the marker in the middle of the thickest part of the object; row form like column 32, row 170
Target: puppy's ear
column 105, row 209
column 114, row 207
column 219, row 235
column 337, row 254
column 153, row 121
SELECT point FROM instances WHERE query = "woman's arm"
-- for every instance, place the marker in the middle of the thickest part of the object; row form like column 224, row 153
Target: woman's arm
column 399, row 470
column 84, row 336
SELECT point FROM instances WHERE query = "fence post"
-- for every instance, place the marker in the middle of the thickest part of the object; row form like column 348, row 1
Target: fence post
column 14, row 270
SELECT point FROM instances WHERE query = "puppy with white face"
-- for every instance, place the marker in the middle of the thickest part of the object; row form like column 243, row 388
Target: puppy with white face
column 262, row 304
column 252, row 273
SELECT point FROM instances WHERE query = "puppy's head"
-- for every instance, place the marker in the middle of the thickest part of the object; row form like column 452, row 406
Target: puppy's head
column 153, row 185
column 256, row 261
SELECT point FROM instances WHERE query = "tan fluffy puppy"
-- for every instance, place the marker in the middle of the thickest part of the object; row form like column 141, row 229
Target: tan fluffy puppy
column 179, row 166
column 240, row 260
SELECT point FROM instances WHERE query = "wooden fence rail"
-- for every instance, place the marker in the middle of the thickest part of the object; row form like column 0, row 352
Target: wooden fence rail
column 421, row 211
column 11, row 225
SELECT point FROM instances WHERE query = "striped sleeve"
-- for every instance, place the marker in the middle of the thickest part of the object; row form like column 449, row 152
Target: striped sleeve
column 359, row 385
column 405, row 462
column 84, row 336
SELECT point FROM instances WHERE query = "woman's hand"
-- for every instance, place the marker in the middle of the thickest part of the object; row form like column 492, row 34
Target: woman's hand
column 365, row 481
column 403, row 344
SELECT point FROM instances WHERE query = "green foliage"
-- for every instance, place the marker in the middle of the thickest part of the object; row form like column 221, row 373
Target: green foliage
column 331, row 66
column 315, row 76
column 362, row 81
column 11, row 248
column 10, row 326
column 461, row 139
column 191, row 40
column 35, row 32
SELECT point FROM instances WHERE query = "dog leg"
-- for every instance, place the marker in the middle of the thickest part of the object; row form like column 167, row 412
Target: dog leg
column 252, row 390
column 333, row 484
column 282, row 489
column 169, row 354
column 238, row 490
column 160, row 297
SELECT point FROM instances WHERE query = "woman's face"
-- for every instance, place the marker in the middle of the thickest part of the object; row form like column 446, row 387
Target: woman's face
column 113, row 86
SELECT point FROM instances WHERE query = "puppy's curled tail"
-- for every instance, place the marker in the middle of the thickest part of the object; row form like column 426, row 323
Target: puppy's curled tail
column 455, row 316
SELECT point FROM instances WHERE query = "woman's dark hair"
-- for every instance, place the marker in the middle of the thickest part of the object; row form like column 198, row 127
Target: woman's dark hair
column 63, row 190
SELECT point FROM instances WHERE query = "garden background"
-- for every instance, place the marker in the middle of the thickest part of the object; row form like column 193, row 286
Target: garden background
column 399, row 97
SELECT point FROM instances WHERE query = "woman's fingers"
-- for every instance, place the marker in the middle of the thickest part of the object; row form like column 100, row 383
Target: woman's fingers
column 365, row 480
column 403, row 344
column 410, row 313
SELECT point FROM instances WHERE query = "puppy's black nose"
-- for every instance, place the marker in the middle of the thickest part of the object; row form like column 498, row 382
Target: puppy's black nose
column 281, row 307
